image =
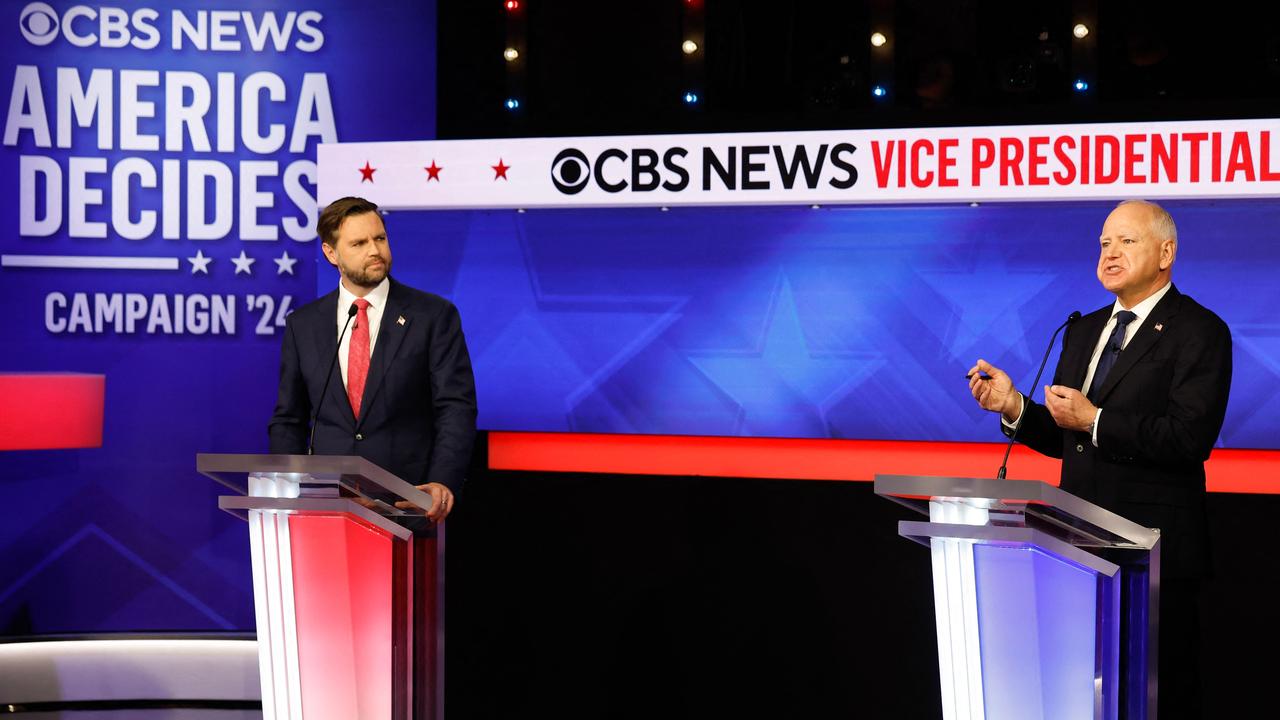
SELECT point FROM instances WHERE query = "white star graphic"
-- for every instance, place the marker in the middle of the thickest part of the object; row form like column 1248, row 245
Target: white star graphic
column 284, row 263
column 199, row 263
column 242, row 264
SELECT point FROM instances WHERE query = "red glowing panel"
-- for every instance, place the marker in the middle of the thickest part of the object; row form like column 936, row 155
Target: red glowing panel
column 1240, row 471
column 47, row 411
column 342, row 599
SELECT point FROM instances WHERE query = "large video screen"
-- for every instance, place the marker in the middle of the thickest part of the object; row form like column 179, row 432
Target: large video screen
column 795, row 321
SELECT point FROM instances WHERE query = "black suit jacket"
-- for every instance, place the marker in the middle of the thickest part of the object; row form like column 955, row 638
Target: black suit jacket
column 1162, row 408
column 419, row 406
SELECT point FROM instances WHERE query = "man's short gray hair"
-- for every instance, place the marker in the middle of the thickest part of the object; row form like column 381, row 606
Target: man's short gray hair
column 1161, row 224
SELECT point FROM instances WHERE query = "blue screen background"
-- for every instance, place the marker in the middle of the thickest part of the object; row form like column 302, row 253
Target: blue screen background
column 128, row 536
column 840, row 322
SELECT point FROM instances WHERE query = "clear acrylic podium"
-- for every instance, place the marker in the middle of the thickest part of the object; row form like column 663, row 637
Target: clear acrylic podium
column 349, row 602
column 1046, row 605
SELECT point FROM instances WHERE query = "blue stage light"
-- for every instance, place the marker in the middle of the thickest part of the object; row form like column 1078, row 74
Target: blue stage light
column 691, row 98
column 512, row 104
column 1081, row 85
column 879, row 91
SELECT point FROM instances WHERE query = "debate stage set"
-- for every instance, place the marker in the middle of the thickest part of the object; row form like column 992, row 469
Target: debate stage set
column 727, row 462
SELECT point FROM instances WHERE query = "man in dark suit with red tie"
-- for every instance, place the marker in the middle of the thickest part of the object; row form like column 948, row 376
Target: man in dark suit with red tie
column 1135, row 408
column 402, row 394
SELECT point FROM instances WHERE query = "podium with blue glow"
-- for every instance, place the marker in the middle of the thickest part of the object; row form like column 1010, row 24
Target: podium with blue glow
column 1046, row 605
column 348, row 588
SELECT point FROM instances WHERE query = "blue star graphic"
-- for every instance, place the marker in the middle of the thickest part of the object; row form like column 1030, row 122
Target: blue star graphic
column 781, row 386
column 984, row 318
column 1251, row 419
column 546, row 351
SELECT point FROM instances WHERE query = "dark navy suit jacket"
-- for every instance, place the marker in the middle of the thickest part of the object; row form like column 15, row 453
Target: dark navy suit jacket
column 1162, row 409
column 419, row 406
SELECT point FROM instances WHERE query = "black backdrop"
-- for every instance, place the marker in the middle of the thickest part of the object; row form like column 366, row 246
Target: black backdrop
column 621, row 596
column 612, row 596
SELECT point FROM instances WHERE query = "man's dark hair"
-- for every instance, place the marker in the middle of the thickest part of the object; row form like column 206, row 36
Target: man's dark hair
column 332, row 217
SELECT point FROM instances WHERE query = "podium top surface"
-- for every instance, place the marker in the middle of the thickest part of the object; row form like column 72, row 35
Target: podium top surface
column 319, row 474
column 1076, row 520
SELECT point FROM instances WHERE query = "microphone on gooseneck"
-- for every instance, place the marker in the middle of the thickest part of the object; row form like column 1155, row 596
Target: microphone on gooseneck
column 1075, row 315
column 311, row 442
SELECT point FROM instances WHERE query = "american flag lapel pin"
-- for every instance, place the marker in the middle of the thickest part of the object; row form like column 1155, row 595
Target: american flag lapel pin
column 1159, row 326
column 400, row 321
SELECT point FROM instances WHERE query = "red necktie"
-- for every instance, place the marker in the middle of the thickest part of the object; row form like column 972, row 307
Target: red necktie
column 358, row 356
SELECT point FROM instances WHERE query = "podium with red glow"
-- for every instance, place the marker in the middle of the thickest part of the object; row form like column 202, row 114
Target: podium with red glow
column 349, row 602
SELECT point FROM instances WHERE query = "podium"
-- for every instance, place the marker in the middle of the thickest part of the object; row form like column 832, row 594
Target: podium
column 348, row 600
column 1046, row 605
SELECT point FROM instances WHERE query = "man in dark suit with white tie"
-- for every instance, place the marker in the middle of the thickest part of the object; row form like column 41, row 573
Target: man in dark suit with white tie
column 402, row 394
column 1135, row 408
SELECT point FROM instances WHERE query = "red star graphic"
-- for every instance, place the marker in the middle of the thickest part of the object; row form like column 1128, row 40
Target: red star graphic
column 366, row 172
column 433, row 172
column 500, row 170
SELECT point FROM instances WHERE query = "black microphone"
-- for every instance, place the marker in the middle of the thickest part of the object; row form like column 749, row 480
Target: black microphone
column 1034, row 384
column 311, row 442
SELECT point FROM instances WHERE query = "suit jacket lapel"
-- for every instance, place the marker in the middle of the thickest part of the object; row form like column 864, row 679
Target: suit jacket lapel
column 391, row 332
column 1145, row 339
column 1084, row 337
column 325, row 340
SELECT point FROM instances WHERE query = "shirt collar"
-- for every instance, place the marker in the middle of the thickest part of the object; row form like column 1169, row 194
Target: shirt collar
column 1144, row 308
column 377, row 297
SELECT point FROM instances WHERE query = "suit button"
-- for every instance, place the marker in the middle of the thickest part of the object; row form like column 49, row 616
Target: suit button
column 359, row 436
column 1079, row 448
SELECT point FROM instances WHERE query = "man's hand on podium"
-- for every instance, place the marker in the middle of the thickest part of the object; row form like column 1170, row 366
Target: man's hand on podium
column 441, row 501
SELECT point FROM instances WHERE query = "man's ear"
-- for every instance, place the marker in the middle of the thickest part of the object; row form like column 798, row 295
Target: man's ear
column 329, row 253
column 1168, row 252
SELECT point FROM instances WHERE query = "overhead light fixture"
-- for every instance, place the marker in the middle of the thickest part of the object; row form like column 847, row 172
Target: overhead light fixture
column 878, row 39
column 1081, row 31
column 511, row 54
column 689, row 47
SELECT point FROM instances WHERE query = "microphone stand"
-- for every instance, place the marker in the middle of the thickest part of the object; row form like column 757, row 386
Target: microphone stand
column 1004, row 464
column 311, row 441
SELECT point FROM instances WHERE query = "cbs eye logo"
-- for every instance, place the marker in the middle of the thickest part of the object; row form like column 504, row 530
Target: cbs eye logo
column 570, row 171
column 38, row 23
